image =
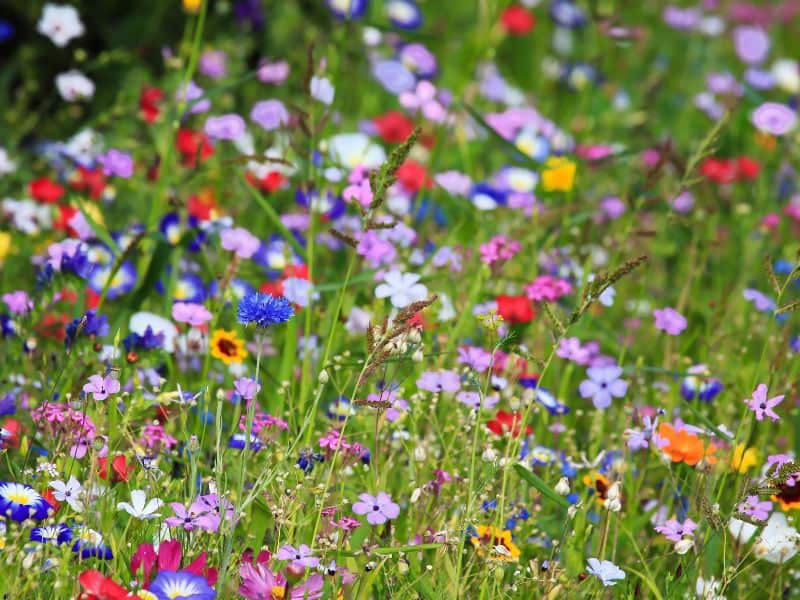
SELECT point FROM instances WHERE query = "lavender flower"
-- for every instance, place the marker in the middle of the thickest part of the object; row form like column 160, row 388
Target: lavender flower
column 603, row 385
column 269, row 114
column 225, row 127
column 299, row 557
column 441, row 381
column 774, row 118
column 755, row 508
column 669, row 320
column 378, row 509
column 761, row 406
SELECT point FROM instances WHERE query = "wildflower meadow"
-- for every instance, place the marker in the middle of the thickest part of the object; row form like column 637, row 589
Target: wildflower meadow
column 425, row 299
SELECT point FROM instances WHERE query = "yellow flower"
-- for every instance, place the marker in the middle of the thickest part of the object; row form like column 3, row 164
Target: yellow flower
column 227, row 347
column 497, row 542
column 743, row 459
column 5, row 245
column 559, row 176
column 192, row 6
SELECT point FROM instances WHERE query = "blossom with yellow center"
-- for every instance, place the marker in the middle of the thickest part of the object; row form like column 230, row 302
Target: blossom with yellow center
column 743, row 459
column 227, row 347
column 5, row 245
column 496, row 541
column 559, row 174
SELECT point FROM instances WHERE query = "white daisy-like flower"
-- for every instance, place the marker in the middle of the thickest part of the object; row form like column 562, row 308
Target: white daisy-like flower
column 140, row 507
column 70, row 492
column 61, row 23
column 74, row 85
column 401, row 288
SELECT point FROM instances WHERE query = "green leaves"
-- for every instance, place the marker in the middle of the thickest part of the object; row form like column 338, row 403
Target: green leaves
column 539, row 483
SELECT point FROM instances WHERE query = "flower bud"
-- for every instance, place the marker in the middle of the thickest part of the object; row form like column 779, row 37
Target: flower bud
column 323, row 377
column 562, row 487
column 684, row 545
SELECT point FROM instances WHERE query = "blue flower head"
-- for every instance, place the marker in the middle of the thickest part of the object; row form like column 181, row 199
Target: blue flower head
column 263, row 310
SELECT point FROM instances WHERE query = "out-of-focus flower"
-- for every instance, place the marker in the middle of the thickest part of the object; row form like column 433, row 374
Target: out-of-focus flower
column 61, row 23
column 74, row 85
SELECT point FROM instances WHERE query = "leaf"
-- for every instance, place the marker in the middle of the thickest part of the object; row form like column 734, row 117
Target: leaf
column 161, row 256
column 399, row 549
column 539, row 483
column 276, row 221
column 98, row 229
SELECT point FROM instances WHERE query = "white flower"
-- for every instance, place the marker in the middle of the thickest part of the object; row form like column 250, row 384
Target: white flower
column 74, row 85
column 778, row 541
column 61, row 23
column 28, row 216
column 139, row 507
column 6, row 164
column 352, row 149
column 83, row 147
column 562, row 487
column 684, row 545
column 70, row 492
column 299, row 291
column 357, row 320
column 401, row 288
column 322, row 90
column 606, row 571
column 787, row 75
column 140, row 321
column 708, row 589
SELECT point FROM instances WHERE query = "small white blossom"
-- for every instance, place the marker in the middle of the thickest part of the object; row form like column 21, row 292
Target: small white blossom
column 61, row 23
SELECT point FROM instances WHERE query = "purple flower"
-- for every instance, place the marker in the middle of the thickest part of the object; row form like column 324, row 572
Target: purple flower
column 247, row 388
column 683, row 202
column 439, row 381
column 761, row 301
column 18, row 302
column 752, row 44
column 454, row 182
column 684, row 19
column 393, row 76
column 639, row 439
column 214, row 64
column 300, row 557
column 240, row 241
column 674, row 530
column 274, row 73
column 473, row 400
column 269, row 114
column 669, row 320
column 774, row 118
column 475, row 358
column 756, row 509
column 760, row 405
column 571, row 349
column 116, row 163
column 612, row 207
column 101, row 387
column 603, row 384
column 225, row 127
column 190, row 92
column 191, row 313
column 378, row 509
column 759, row 79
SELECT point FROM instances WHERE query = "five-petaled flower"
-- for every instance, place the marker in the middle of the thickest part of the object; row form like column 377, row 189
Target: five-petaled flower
column 378, row 509
column 761, row 405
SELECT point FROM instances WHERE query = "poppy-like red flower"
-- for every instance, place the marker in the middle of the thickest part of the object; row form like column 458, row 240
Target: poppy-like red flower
column 149, row 103
column 393, row 127
column 718, row 170
column 47, row 494
column 505, row 423
column 53, row 326
column 89, row 180
column 193, row 145
column 203, row 206
column 65, row 214
column 747, row 167
column 269, row 183
column 45, row 190
column 517, row 20
column 413, row 176
column 10, row 438
column 121, row 469
column 296, row 271
column 273, row 288
column 515, row 309
column 97, row 586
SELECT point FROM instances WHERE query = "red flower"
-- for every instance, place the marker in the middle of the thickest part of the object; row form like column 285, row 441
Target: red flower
column 719, row 170
column 296, row 271
column 97, row 586
column 269, row 183
column 10, row 438
column 413, row 176
column 193, row 145
column 273, row 288
column 121, row 469
column 507, row 422
column 65, row 214
column 203, row 206
column 51, row 499
column 149, row 101
column 90, row 180
column 45, row 190
column 53, row 326
column 748, row 168
column 393, row 127
column 515, row 309
column 516, row 20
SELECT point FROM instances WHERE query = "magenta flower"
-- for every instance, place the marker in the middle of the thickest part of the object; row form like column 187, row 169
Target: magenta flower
column 274, row 73
column 674, row 530
column 213, row 63
column 240, row 241
column 191, row 313
column 18, row 302
column 101, row 387
column 752, row 43
column 669, row 320
column 547, row 288
column 378, row 509
column 299, row 557
column 439, row 381
column 499, row 249
column 760, row 405
column 755, row 508
column 475, row 358
column 603, row 385
column 116, row 163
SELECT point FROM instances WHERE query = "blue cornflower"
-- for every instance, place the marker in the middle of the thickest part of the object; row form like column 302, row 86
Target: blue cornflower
column 95, row 324
column 19, row 502
column 264, row 310
column 307, row 458
column 51, row 534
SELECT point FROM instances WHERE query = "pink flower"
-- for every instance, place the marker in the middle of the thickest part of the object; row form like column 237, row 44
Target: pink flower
column 669, row 320
column 240, row 241
column 274, row 73
column 299, row 557
column 101, row 387
column 378, row 509
column 191, row 313
column 499, row 249
column 18, row 302
column 360, row 192
column 674, row 530
column 760, row 405
column 755, row 509
column 547, row 288
column 247, row 388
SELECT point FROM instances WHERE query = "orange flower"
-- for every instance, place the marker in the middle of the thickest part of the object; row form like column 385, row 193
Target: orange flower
column 683, row 446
